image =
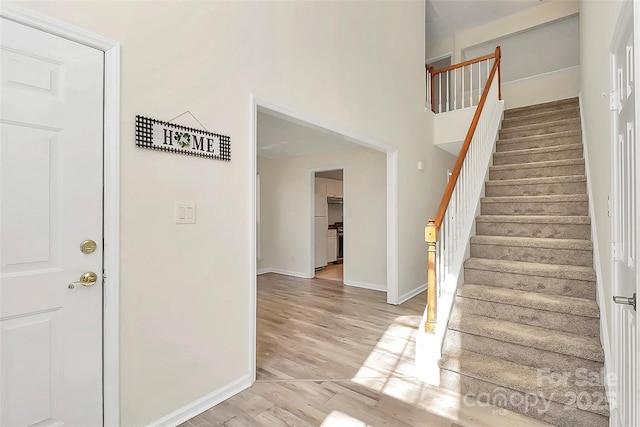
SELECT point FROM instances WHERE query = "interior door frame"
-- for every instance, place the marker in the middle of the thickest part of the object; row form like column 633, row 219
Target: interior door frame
column 111, row 192
column 392, row 205
column 311, row 269
column 391, row 152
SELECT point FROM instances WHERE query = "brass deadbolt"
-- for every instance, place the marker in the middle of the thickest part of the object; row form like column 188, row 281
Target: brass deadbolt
column 88, row 246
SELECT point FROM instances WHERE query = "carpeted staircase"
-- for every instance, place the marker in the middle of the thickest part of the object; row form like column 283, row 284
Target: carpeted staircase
column 524, row 331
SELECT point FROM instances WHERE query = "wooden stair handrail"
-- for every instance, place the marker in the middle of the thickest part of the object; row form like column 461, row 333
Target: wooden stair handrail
column 461, row 64
column 446, row 197
column 433, row 226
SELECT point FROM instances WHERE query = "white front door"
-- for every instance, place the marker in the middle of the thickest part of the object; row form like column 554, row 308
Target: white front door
column 625, row 222
column 51, row 121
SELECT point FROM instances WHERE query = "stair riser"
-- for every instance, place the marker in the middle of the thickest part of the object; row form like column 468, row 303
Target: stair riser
column 551, row 412
column 538, row 109
column 529, row 316
column 555, row 231
column 538, row 157
column 542, row 142
column 540, row 255
column 532, row 208
column 541, row 118
column 536, row 172
column 547, row 189
column 456, row 341
column 543, row 284
column 520, row 132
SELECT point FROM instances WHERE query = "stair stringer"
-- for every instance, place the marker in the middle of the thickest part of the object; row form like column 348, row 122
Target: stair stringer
column 600, row 297
column 429, row 345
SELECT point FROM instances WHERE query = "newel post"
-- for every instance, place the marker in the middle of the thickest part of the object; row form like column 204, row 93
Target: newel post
column 430, row 236
column 431, row 76
column 498, row 57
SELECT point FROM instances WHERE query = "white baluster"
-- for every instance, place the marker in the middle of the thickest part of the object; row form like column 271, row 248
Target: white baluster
column 479, row 83
column 448, row 90
column 428, row 88
column 488, row 70
column 440, row 93
column 462, row 83
column 470, row 85
column 455, row 88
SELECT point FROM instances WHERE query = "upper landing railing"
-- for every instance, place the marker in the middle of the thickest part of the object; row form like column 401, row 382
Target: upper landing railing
column 460, row 85
column 451, row 227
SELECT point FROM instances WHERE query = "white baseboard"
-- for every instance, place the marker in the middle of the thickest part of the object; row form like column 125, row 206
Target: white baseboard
column 283, row 272
column 372, row 286
column 412, row 294
column 199, row 406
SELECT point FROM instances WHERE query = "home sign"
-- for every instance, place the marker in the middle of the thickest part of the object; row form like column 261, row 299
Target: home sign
column 164, row 136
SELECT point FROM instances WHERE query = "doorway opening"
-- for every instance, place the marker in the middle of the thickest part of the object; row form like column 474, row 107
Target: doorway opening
column 328, row 197
column 281, row 218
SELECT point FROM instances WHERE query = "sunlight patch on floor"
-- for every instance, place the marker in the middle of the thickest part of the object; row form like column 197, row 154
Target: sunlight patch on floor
column 340, row 419
column 390, row 369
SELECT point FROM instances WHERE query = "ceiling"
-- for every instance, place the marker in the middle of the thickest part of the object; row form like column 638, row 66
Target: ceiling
column 445, row 17
column 283, row 136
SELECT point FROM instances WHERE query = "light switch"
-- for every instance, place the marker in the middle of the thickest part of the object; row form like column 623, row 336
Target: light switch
column 185, row 213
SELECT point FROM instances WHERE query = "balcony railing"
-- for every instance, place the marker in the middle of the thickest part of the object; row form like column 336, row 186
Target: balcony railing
column 460, row 85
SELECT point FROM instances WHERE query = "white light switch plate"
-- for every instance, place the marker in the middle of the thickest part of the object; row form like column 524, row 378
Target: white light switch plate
column 185, row 213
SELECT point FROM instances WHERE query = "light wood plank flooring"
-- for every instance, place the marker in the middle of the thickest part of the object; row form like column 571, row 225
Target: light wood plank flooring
column 331, row 272
column 331, row 355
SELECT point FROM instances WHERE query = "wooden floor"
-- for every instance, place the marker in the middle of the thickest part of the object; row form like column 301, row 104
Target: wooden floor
column 336, row 356
column 331, row 272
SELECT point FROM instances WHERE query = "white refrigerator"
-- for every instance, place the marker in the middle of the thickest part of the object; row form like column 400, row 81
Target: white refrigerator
column 321, row 223
column 320, row 253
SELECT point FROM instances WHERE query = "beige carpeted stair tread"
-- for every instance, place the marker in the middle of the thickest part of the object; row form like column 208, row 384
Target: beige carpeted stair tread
column 532, row 269
column 554, row 198
column 561, row 122
column 556, row 303
column 541, row 150
column 534, row 219
column 547, row 106
column 536, row 181
column 457, row 341
column 570, row 134
column 553, row 227
column 521, row 378
column 535, row 337
column 537, row 115
column 533, row 242
column 533, row 165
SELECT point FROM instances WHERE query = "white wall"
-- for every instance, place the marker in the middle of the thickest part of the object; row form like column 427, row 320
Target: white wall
column 185, row 290
column 285, row 213
column 597, row 24
column 451, row 128
column 561, row 84
column 518, row 93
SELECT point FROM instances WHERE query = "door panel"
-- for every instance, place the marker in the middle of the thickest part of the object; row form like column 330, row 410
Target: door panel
column 625, row 222
column 50, row 201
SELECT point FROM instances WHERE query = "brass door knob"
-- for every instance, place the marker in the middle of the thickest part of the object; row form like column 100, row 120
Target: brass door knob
column 87, row 279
